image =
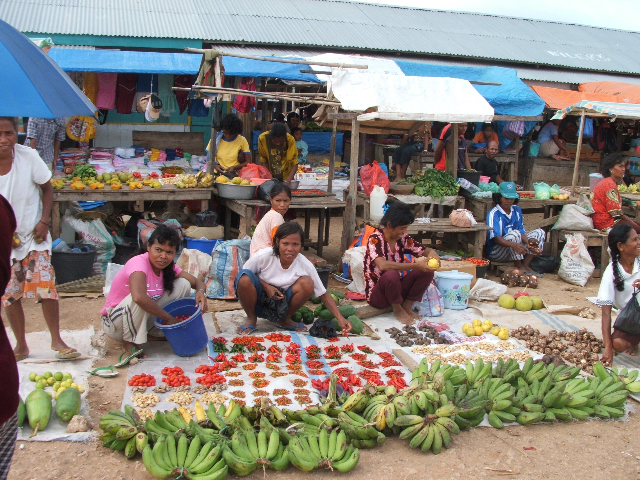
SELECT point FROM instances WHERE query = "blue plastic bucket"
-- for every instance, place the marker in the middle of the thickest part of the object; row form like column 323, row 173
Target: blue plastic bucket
column 454, row 287
column 205, row 246
column 188, row 337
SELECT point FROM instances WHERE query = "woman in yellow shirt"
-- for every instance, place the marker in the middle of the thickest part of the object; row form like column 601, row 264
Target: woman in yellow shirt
column 279, row 152
column 233, row 150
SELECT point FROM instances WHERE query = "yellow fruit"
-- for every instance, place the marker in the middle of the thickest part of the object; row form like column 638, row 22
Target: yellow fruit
column 39, row 377
column 488, row 322
column 244, row 182
column 51, row 381
column 56, row 386
column 478, row 330
column 32, row 376
column 503, row 335
column 465, row 326
column 433, row 263
column 236, row 180
column 222, row 179
column 469, row 332
column 495, row 331
column 60, row 390
column 477, row 322
column 66, row 384
column 486, row 327
column 41, row 384
column 81, row 388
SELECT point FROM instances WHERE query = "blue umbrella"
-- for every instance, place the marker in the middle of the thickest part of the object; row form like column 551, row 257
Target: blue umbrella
column 32, row 85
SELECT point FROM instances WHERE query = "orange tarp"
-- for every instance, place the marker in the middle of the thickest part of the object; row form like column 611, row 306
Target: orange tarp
column 629, row 92
column 557, row 98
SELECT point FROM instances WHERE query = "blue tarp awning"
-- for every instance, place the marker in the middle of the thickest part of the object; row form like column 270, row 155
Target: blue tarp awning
column 78, row 60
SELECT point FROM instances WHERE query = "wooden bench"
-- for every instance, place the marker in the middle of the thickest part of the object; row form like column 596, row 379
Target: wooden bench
column 592, row 239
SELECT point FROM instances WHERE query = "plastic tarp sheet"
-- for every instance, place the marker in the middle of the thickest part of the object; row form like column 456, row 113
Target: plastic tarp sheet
column 621, row 110
column 409, row 98
column 242, row 67
column 318, row 142
column 512, row 97
column 630, row 93
column 557, row 98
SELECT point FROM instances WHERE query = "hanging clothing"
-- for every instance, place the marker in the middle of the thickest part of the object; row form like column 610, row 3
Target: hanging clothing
column 90, row 86
column 106, row 91
column 244, row 104
column 197, row 108
column 182, row 98
column 165, row 82
column 125, row 92
column 145, row 81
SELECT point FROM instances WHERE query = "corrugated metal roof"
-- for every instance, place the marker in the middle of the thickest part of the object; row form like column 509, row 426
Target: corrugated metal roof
column 337, row 24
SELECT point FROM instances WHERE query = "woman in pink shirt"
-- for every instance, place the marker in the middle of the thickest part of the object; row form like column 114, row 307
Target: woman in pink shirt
column 142, row 287
column 280, row 197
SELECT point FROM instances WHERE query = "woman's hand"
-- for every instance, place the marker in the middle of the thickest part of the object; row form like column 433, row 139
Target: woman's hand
column 424, row 266
column 40, row 232
column 636, row 284
column 607, row 356
column 171, row 320
column 201, row 300
column 345, row 324
column 272, row 292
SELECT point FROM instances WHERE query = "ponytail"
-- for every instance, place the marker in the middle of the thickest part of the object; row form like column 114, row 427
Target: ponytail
column 618, row 234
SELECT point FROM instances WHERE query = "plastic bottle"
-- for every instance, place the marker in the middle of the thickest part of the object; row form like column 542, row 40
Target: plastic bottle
column 377, row 199
column 59, row 245
column 117, row 238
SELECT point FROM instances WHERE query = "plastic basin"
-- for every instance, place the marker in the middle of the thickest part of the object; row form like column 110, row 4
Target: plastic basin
column 71, row 266
column 205, row 246
column 188, row 337
column 454, row 287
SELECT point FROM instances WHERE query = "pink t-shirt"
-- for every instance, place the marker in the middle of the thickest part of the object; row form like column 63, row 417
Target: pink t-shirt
column 107, row 83
column 120, row 285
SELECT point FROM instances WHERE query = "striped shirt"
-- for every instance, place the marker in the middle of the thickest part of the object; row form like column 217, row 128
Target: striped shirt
column 46, row 131
column 501, row 223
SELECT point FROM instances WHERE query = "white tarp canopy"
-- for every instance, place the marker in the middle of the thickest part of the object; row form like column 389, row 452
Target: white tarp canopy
column 409, row 98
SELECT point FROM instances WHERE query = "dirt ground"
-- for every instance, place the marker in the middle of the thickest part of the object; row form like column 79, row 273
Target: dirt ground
column 587, row 449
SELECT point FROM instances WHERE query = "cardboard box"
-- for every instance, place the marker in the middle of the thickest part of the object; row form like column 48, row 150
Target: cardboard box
column 210, row 233
column 466, row 267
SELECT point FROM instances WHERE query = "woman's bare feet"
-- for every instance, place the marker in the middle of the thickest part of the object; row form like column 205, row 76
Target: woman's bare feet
column 402, row 315
column 128, row 346
column 407, row 305
column 633, row 350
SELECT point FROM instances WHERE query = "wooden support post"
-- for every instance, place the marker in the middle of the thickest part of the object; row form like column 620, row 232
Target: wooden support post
column 361, row 152
column 265, row 106
column 332, row 156
column 514, row 166
column 349, row 222
column 578, row 150
column 213, row 149
column 452, row 164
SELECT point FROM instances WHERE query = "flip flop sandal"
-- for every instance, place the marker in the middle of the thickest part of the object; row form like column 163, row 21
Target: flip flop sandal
column 293, row 327
column 355, row 296
column 105, row 372
column 67, row 354
column 251, row 329
column 125, row 361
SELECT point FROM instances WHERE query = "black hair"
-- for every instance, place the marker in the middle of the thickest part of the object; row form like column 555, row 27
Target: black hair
column 292, row 115
column 278, row 130
column 232, row 122
column 284, row 230
column 13, row 120
column 398, row 214
column 280, row 118
column 610, row 161
column 294, row 130
column 618, row 234
column 487, row 125
column 166, row 235
column 496, row 199
column 279, row 188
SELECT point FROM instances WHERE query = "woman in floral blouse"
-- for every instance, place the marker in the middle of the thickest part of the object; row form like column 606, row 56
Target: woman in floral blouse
column 390, row 278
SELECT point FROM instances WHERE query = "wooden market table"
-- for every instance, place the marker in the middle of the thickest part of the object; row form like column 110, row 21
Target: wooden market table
column 550, row 208
column 503, row 159
column 136, row 196
column 417, row 202
column 322, row 203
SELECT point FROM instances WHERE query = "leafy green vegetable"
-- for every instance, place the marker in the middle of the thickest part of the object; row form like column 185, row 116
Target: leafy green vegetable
column 84, row 171
column 435, row 183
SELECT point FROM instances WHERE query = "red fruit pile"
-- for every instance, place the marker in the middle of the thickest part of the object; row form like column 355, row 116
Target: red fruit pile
column 142, row 380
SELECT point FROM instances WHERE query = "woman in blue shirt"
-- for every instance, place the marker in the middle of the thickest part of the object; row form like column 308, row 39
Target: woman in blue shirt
column 507, row 240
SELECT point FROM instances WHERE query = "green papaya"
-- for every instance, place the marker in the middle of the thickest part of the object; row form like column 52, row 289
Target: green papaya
column 304, row 310
column 340, row 295
column 68, row 404
column 336, row 325
column 315, row 300
column 22, row 412
column 308, row 317
column 335, row 298
column 318, row 309
column 347, row 310
column 326, row 314
column 297, row 317
column 357, row 327
column 38, row 406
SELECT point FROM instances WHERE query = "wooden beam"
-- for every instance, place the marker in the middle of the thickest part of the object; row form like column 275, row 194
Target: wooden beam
column 514, row 166
column 349, row 223
column 453, row 165
column 332, row 156
column 342, row 116
column 315, row 72
column 578, row 150
column 362, row 144
column 265, row 107
column 535, row 118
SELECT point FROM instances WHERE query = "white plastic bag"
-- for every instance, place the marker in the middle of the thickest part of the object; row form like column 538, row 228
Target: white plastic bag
column 112, row 269
column 95, row 233
column 487, row 290
column 575, row 217
column 576, row 265
column 355, row 258
column 194, row 262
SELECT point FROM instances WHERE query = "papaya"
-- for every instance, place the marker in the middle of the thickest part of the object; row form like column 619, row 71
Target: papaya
column 336, row 324
column 357, row 327
column 315, row 300
column 38, row 406
column 340, row 295
column 335, row 298
column 68, row 404
column 307, row 316
column 318, row 309
column 297, row 316
column 326, row 314
column 304, row 310
column 22, row 412
column 347, row 310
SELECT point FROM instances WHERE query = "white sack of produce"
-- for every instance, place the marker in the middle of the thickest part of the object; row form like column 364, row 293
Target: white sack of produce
column 576, row 216
column 355, row 258
column 112, row 270
column 195, row 262
column 487, row 290
column 576, row 266
column 95, row 233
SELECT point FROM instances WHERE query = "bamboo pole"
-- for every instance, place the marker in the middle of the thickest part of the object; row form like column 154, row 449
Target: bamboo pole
column 332, row 156
column 268, row 95
column 280, row 60
column 578, row 150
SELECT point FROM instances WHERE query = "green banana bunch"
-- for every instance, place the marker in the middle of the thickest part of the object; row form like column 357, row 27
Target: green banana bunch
column 248, row 451
column 120, row 430
column 432, row 432
column 361, row 433
column 323, row 450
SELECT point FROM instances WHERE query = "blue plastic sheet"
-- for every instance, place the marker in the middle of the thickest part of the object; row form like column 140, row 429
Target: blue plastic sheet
column 319, row 142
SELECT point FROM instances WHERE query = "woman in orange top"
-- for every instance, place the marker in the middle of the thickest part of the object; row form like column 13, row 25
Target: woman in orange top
column 483, row 137
column 280, row 197
column 607, row 202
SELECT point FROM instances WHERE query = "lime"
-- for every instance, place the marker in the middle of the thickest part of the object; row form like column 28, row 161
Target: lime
column 81, row 388
column 51, row 381
column 56, row 386
column 47, row 374
column 39, row 377
column 41, row 384
column 60, row 390
column 57, row 376
column 66, row 384
column 66, row 376
column 32, row 376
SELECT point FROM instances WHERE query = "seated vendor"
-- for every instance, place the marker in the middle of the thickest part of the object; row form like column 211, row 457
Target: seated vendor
column 619, row 280
column 550, row 144
column 281, row 274
column 279, row 153
column 232, row 152
column 389, row 278
column 607, row 201
column 487, row 164
column 410, row 144
column 480, row 142
column 280, row 198
column 143, row 286
column 507, row 240
column 303, row 148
